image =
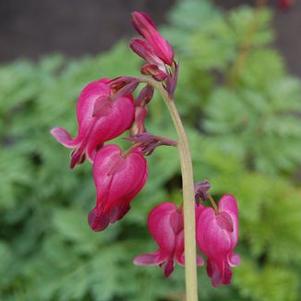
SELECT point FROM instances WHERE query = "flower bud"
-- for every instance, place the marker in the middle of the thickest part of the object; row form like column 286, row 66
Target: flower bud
column 146, row 27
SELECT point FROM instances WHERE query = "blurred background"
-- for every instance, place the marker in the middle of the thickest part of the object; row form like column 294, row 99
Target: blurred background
column 239, row 93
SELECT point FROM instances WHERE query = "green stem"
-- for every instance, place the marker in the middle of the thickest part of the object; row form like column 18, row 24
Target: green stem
column 188, row 194
column 213, row 203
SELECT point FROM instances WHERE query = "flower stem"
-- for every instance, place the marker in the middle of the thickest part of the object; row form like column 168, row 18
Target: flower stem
column 213, row 203
column 188, row 194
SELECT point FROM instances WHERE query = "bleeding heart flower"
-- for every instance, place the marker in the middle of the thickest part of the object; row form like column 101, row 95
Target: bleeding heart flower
column 217, row 236
column 100, row 118
column 118, row 178
column 165, row 224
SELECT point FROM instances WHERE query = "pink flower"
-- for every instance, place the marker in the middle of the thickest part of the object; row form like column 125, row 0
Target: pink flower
column 165, row 224
column 154, row 42
column 217, row 236
column 100, row 118
column 118, row 178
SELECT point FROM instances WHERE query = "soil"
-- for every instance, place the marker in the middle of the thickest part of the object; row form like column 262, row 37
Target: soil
column 33, row 28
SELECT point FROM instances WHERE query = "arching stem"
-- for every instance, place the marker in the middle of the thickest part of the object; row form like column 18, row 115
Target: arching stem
column 188, row 194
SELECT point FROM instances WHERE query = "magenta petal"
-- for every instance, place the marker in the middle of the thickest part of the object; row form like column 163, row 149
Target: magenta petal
column 118, row 178
column 77, row 157
column 219, row 272
column 100, row 119
column 63, row 137
column 146, row 27
column 213, row 273
column 160, row 227
column 179, row 248
column 181, row 260
column 165, row 224
column 211, row 238
column 119, row 212
column 142, row 48
column 154, row 71
column 234, row 260
column 145, row 96
column 224, row 221
column 148, row 259
column 199, row 261
column 228, row 203
column 141, row 20
column 169, row 268
column 98, row 221
column 217, row 235
column 102, row 107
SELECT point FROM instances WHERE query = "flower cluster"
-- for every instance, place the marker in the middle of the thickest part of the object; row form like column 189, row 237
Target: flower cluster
column 106, row 109
column 216, row 236
column 103, row 114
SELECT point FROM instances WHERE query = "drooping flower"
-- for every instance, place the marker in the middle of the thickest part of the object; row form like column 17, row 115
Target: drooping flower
column 165, row 224
column 100, row 118
column 217, row 236
column 118, row 178
column 155, row 50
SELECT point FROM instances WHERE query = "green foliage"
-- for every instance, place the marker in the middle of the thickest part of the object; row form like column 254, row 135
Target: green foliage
column 240, row 108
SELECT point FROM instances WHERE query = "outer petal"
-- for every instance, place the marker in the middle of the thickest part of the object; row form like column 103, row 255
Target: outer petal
column 86, row 101
column 198, row 210
column 217, row 235
column 111, row 125
column 219, row 271
column 148, row 259
column 63, row 137
column 154, row 71
column 161, row 229
column 142, row 22
column 146, row 51
column 165, row 222
column 234, row 260
column 112, row 119
column 228, row 204
column 211, row 238
column 118, row 178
